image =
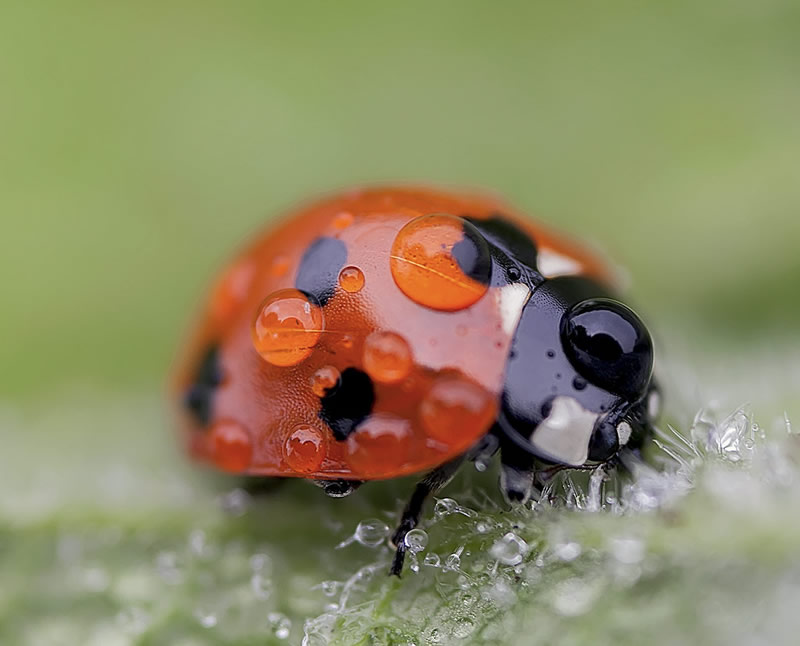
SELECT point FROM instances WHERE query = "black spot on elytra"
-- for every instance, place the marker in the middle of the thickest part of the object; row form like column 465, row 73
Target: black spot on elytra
column 507, row 237
column 472, row 254
column 199, row 397
column 347, row 405
column 319, row 269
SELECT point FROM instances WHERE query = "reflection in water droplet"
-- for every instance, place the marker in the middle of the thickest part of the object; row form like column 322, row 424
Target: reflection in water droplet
column 387, row 357
column 432, row 560
column 287, row 327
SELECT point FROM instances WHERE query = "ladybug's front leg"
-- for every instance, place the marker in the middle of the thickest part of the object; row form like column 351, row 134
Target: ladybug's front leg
column 429, row 485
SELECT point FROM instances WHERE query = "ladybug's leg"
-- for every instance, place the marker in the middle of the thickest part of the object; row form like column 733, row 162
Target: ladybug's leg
column 428, row 486
column 517, row 470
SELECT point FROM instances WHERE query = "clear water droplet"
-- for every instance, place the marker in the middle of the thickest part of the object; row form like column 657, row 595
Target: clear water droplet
column 261, row 586
column 206, row 619
column 281, row 624
column 260, row 562
column 567, row 551
column 371, row 532
column 329, row 588
column 416, row 540
column 445, row 507
column 452, row 562
column 627, row 550
column 509, row 550
column 235, row 502
column 432, row 560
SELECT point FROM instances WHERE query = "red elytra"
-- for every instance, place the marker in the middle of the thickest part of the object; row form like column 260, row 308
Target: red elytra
column 398, row 308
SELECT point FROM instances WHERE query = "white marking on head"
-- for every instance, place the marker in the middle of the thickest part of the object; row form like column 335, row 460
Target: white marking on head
column 551, row 264
column 624, row 431
column 565, row 433
column 511, row 300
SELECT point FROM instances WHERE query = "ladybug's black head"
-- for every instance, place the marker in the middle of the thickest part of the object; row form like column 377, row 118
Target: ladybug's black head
column 579, row 375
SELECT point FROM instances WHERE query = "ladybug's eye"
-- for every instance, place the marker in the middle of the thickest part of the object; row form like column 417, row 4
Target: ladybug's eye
column 608, row 345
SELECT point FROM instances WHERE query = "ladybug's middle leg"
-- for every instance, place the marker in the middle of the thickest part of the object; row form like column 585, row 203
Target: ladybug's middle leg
column 428, row 486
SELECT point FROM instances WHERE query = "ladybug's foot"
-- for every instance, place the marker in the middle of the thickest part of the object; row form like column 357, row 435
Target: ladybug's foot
column 429, row 485
column 516, row 483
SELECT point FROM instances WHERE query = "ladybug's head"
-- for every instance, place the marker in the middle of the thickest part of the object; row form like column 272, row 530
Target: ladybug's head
column 579, row 376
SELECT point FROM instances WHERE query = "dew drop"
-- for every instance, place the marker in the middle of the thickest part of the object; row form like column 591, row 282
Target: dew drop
column 427, row 257
column 206, row 619
column 287, row 327
column 261, row 586
column 324, row 380
column 371, row 532
column 231, row 446
column 432, row 560
column 416, row 540
column 329, row 588
column 280, row 266
column 509, row 550
column 445, row 507
column 567, row 551
column 387, row 357
column 455, row 408
column 382, row 442
column 236, row 502
column 305, row 449
column 551, row 354
column 351, row 279
column 579, row 383
column 343, row 220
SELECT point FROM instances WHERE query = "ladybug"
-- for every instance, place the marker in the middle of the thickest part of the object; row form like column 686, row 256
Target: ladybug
column 394, row 331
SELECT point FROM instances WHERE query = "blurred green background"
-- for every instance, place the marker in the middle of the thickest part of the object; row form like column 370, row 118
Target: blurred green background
column 141, row 142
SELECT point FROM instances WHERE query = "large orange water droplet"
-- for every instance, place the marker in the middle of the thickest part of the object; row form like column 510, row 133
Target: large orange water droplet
column 231, row 446
column 387, row 357
column 305, row 449
column 351, row 279
column 287, row 327
column 455, row 408
column 381, row 443
column 441, row 262
column 324, row 380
